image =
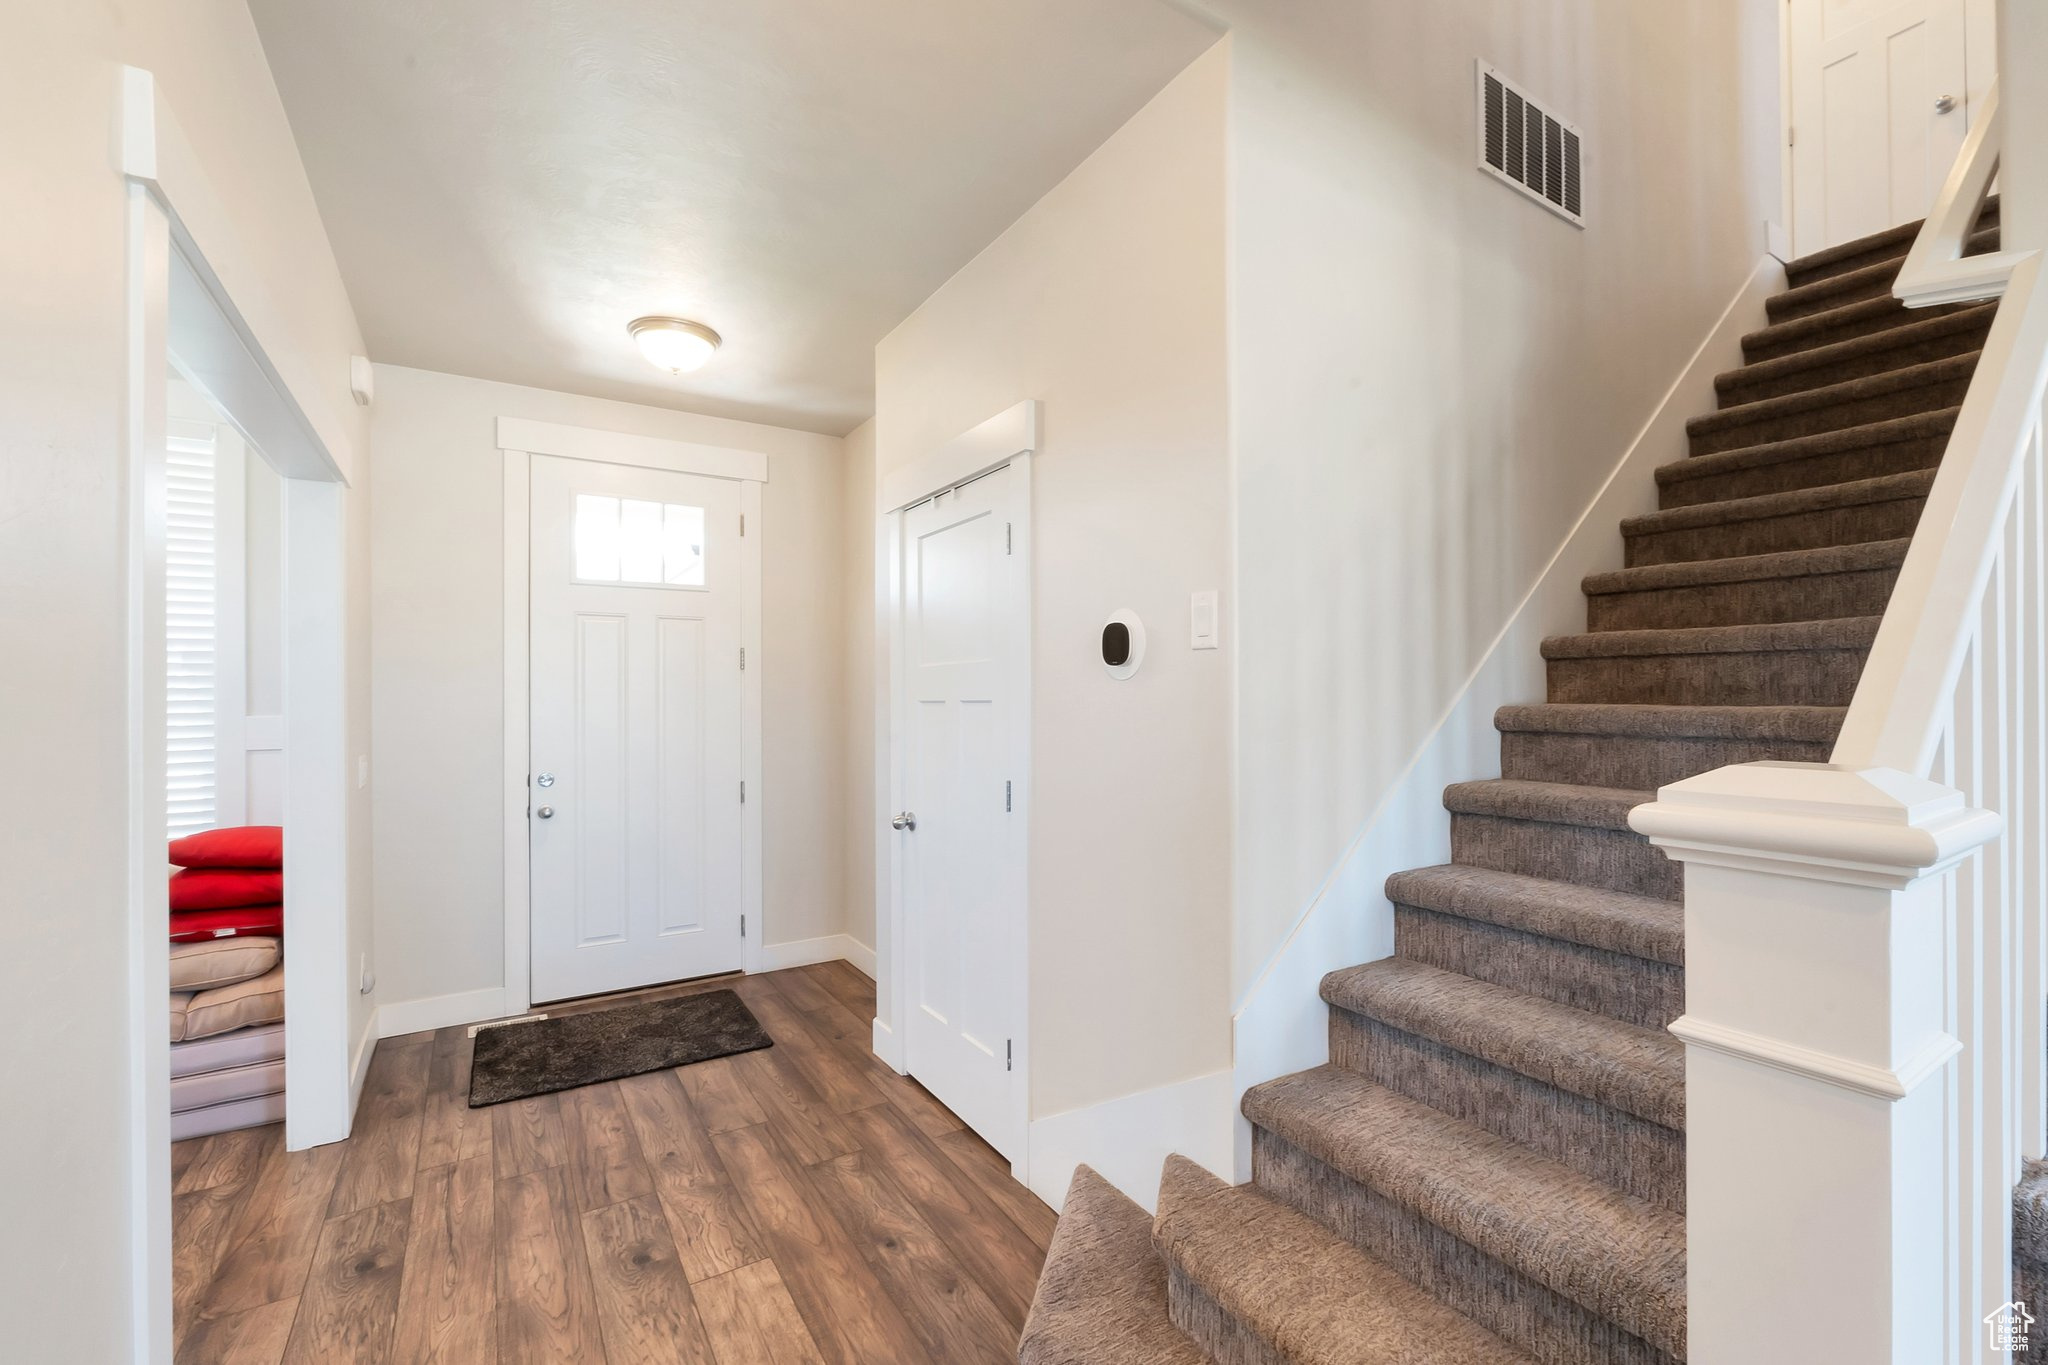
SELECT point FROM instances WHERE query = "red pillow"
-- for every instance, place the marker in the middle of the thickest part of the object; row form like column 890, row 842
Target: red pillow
column 214, row 888
column 235, row 846
column 188, row 926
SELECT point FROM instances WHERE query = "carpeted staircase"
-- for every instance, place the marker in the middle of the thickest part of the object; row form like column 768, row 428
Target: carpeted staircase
column 1491, row 1168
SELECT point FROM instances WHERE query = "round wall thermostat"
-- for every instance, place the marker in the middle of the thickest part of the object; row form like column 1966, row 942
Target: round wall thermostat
column 1123, row 644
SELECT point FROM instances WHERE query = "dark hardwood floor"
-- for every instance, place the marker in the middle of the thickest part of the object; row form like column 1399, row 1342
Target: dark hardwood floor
column 801, row 1204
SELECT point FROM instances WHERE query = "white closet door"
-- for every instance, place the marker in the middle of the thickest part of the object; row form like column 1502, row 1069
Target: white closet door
column 963, row 632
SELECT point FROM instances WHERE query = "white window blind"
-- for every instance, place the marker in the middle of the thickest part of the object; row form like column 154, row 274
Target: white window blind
column 192, row 628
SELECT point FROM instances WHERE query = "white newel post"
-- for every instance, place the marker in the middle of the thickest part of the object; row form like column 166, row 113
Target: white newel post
column 1817, row 1041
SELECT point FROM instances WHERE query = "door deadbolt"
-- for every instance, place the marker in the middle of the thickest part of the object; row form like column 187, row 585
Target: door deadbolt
column 544, row 780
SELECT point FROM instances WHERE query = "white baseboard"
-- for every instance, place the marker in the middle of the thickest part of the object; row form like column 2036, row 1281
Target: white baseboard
column 1281, row 1024
column 1129, row 1138
column 803, row 952
column 439, row 1011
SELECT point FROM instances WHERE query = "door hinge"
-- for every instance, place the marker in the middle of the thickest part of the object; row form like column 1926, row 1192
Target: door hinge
column 743, row 523
column 1791, row 137
column 1009, row 1055
column 743, row 926
column 743, row 658
column 1006, row 794
column 1009, row 544
column 743, row 792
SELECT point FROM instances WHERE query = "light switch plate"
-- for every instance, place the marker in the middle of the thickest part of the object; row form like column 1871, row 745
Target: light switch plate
column 1202, row 625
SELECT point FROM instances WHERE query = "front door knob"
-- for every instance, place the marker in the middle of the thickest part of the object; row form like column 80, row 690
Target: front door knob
column 907, row 820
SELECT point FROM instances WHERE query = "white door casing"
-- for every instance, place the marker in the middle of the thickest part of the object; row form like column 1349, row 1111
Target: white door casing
column 1880, row 104
column 635, row 659
column 961, row 629
column 522, row 442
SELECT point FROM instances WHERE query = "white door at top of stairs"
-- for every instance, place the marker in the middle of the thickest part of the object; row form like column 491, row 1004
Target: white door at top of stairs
column 1881, row 98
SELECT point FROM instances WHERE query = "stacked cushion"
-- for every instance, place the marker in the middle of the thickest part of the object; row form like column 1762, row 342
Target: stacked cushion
column 228, row 1051
column 211, row 962
column 241, row 846
column 212, row 888
column 224, row 1008
column 190, row 926
column 227, row 980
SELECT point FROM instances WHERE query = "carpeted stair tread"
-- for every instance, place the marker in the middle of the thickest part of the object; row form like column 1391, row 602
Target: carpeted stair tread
column 1101, row 1298
column 1860, row 282
column 2030, row 1252
column 1310, row 1296
column 1827, row 559
column 1878, row 351
column 1639, row 926
column 1556, row 803
column 1640, row 1071
column 1927, row 374
column 1870, row 436
column 1621, row 1257
column 1892, row 241
column 1792, row 502
column 1814, row 724
column 1849, row 632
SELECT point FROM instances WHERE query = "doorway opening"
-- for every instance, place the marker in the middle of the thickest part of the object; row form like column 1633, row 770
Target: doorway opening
column 186, row 321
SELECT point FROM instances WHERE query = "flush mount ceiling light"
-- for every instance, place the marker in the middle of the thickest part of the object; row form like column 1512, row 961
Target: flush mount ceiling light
column 673, row 344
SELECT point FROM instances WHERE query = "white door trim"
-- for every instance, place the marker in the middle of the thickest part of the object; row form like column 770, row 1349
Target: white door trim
column 182, row 246
column 519, row 439
column 1009, row 438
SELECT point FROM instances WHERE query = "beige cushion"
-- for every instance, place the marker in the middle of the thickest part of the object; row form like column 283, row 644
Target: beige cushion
column 224, row 1008
column 179, row 1001
column 215, row 962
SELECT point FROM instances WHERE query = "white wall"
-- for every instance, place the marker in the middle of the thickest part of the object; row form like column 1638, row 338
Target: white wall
column 1105, row 301
column 438, row 584
column 859, row 825
column 68, row 1208
column 1431, row 374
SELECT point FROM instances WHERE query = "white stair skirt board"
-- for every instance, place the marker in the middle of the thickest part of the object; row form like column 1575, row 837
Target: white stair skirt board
column 1282, row 1025
column 1129, row 1138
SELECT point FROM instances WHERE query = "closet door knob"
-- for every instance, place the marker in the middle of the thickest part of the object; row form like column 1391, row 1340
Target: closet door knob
column 546, row 812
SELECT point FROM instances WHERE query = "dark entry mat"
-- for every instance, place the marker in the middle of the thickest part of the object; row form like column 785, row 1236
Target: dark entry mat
column 547, row 1055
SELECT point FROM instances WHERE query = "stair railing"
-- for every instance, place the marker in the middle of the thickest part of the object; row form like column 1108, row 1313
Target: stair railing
column 1867, row 940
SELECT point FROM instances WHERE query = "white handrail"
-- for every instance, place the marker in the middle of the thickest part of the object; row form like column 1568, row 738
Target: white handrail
column 1901, row 706
column 1897, row 717
column 1936, row 271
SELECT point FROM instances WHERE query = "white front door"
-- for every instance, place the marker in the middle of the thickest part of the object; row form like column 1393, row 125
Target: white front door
column 1880, row 105
column 634, row 803
column 961, row 866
